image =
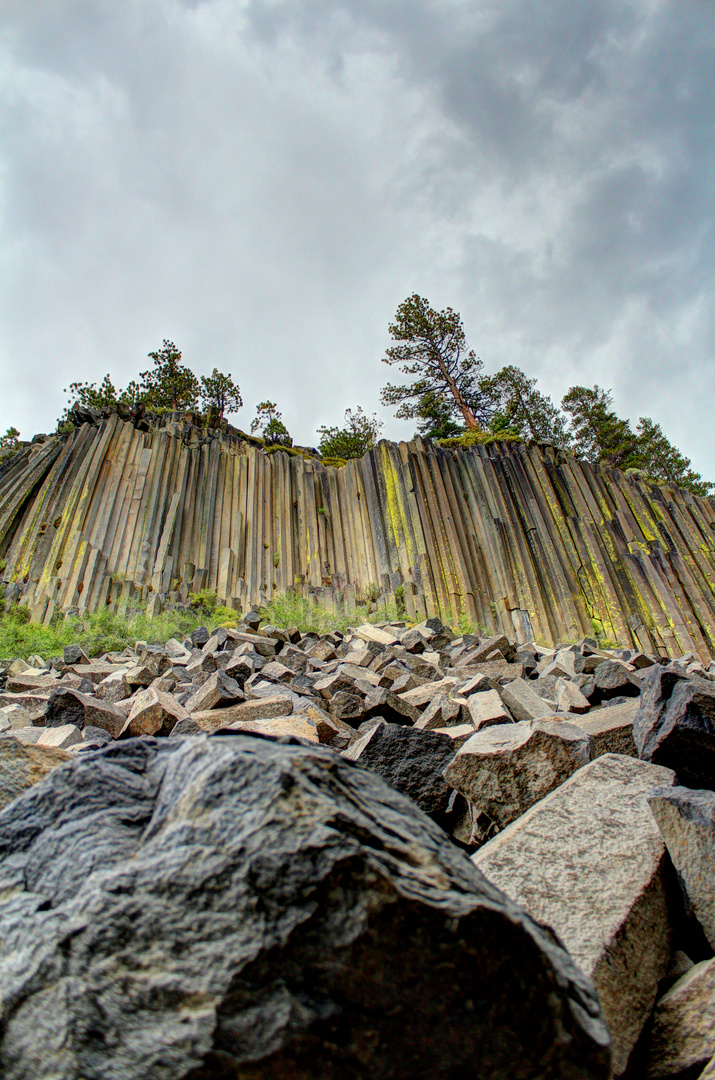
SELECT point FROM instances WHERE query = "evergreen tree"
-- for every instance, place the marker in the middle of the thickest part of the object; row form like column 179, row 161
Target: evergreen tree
column 9, row 441
column 359, row 435
column 269, row 422
column 521, row 409
column 169, row 384
column 597, row 433
column 218, row 391
column 663, row 462
column 433, row 347
column 435, row 417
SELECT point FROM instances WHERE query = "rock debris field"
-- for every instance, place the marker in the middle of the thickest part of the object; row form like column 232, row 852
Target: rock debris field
column 394, row 854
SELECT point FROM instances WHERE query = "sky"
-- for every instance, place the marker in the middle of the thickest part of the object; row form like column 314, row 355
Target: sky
column 265, row 181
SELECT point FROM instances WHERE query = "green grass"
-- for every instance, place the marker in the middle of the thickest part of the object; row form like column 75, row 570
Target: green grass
column 97, row 633
column 309, row 616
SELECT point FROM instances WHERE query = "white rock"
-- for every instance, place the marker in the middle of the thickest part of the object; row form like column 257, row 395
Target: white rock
column 17, row 716
column 589, row 861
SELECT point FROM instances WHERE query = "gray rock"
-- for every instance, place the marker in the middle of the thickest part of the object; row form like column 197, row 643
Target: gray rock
column 186, row 726
column 217, row 692
column 589, row 861
column 686, row 819
column 232, row 906
column 61, row 738
column 523, row 702
column 613, row 679
column 675, row 725
column 65, row 706
column 611, row 728
column 487, row 708
column 682, row 1039
column 505, row 769
column 74, row 654
column 382, row 702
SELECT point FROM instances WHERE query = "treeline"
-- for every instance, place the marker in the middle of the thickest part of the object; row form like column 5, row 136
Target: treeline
column 446, row 392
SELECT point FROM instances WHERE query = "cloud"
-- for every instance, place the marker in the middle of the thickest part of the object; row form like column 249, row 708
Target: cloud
column 265, row 180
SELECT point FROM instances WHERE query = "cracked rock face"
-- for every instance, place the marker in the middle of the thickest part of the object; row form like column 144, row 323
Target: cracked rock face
column 236, row 907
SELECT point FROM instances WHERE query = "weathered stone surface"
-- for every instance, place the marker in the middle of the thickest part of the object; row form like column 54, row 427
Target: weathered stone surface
column 297, row 726
column 65, row 706
column 423, row 694
column 523, row 702
column 506, row 768
column 74, row 654
column 569, row 698
column 153, row 713
column 279, row 898
column 382, row 702
column 589, row 861
column 260, row 709
column 28, row 736
column 611, row 728
column 113, row 688
column 686, row 819
column 218, row 692
column 16, row 715
column 683, row 1036
column 187, row 726
column 22, row 766
column 368, row 632
column 409, row 759
column 675, row 726
column 487, row 708
column 102, row 714
column 612, row 679
column 61, row 737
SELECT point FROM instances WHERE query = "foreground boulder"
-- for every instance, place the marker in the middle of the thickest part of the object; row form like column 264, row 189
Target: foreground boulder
column 22, row 766
column 682, row 1040
column 589, row 861
column 687, row 821
column 231, row 906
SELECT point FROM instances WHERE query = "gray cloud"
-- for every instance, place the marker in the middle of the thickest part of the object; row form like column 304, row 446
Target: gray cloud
column 264, row 181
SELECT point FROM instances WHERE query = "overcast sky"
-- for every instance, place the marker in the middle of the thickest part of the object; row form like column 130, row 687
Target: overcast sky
column 264, row 181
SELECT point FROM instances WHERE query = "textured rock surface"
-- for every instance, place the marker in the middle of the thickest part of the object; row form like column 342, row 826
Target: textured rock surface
column 611, row 728
column 675, row 726
column 683, row 1034
column 686, row 819
column 22, row 766
column 505, row 769
column 589, row 861
column 411, row 760
column 232, row 907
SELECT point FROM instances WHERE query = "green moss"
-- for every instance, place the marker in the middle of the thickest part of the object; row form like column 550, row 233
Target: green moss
column 477, row 438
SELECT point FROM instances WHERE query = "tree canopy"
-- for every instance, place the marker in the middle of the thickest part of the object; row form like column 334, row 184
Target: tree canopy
column 359, row 435
column 432, row 346
column 520, row 409
column 169, row 384
column 220, row 392
column 268, row 422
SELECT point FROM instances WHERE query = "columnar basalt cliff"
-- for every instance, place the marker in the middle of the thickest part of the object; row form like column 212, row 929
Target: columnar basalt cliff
column 524, row 540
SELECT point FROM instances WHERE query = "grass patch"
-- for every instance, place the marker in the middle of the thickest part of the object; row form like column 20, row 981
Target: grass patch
column 310, row 616
column 97, row 633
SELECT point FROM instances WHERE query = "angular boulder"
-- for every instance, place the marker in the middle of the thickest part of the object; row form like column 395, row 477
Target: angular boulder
column 523, row 702
column 506, row 768
column 589, row 861
column 675, row 725
column 682, row 1040
column 21, row 766
column 686, row 819
column 411, row 760
column 611, row 728
column 230, row 906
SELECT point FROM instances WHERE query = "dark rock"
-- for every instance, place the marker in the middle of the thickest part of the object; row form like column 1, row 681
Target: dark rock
column 186, row 726
column 612, row 679
column 675, row 725
column 74, row 654
column 382, row 702
column 194, row 908
column 346, row 706
column 64, row 706
column 199, row 637
column 410, row 760
column 252, row 619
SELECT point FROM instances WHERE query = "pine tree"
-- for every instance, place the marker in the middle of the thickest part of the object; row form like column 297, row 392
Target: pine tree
column 521, row 409
column 433, row 347
column 218, row 391
column 597, row 433
column 169, row 385
column 269, row 422
column 663, row 462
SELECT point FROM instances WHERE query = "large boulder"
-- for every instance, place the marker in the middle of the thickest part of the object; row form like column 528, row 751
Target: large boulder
column 589, row 861
column 232, row 906
column 675, row 725
column 506, row 768
column 686, row 819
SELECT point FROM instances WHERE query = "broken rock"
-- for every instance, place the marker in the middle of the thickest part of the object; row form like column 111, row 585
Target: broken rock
column 506, row 768
column 589, row 861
